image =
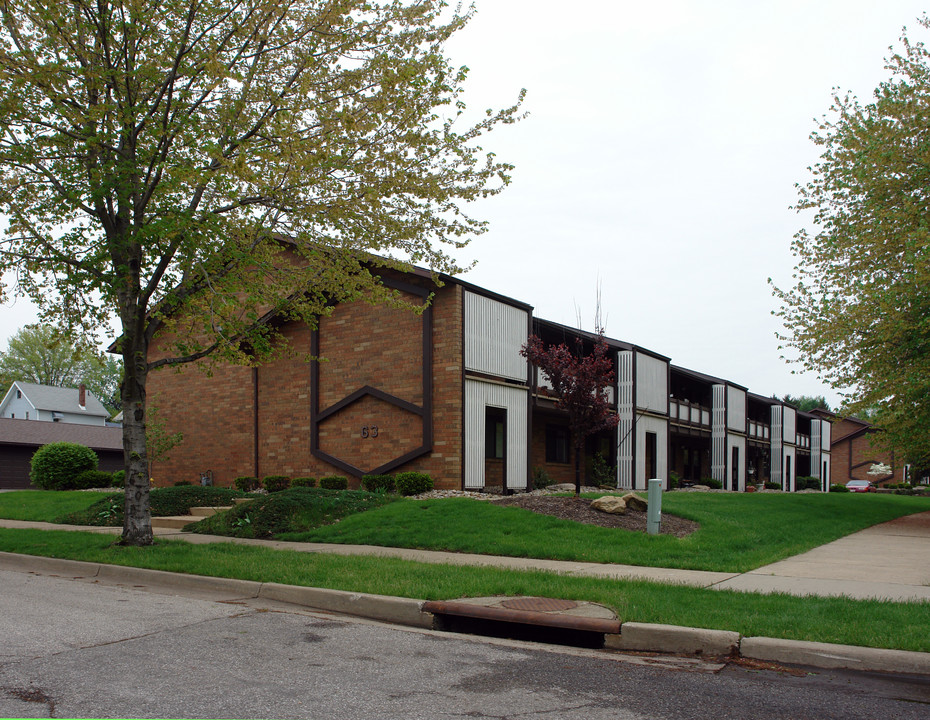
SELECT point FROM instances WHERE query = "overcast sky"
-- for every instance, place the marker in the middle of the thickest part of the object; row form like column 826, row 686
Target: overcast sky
column 659, row 160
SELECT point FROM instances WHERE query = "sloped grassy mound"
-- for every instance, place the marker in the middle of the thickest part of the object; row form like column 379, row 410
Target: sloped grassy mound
column 164, row 502
column 294, row 510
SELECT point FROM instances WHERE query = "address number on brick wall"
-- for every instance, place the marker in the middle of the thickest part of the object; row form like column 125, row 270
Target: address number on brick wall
column 369, row 431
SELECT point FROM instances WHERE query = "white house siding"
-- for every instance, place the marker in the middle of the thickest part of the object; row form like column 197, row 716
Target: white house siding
column 736, row 409
column 816, row 451
column 479, row 396
column 789, row 425
column 826, row 433
column 625, row 415
column 776, row 473
column 736, row 441
column 659, row 426
column 651, row 383
column 789, row 454
column 494, row 334
column 18, row 408
column 718, row 435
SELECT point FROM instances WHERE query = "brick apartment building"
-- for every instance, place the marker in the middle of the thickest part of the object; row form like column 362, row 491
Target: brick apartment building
column 855, row 450
column 447, row 392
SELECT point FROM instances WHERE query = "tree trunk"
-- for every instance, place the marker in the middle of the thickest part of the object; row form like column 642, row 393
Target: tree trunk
column 577, row 471
column 137, row 522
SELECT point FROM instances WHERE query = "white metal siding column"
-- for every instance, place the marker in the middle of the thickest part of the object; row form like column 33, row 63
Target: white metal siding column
column 627, row 440
column 718, row 435
column 816, row 469
column 776, row 464
column 478, row 397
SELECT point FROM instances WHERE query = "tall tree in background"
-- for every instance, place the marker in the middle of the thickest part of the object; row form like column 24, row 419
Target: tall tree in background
column 806, row 403
column 859, row 313
column 580, row 383
column 154, row 154
column 43, row 355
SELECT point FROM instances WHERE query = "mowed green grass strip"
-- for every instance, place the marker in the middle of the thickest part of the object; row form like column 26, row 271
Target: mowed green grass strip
column 833, row 620
column 739, row 531
column 46, row 505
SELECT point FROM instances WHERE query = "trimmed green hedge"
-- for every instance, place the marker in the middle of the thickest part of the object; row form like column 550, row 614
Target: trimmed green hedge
column 56, row 466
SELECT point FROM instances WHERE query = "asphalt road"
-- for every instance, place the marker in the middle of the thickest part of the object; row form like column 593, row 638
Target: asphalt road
column 78, row 649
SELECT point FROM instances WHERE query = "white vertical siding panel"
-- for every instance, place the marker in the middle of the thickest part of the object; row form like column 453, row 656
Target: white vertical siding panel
column 825, row 435
column 718, row 435
column 736, row 409
column 651, row 383
column 494, row 334
column 625, row 413
column 790, row 426
column 737, row 441
column 816, row 449
column 775, row 457
column 646, row 424
column 479, row 396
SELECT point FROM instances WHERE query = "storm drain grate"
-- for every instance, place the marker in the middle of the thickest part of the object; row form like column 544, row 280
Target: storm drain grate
column 538, row 604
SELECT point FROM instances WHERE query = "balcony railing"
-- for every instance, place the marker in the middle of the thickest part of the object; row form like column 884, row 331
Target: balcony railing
column 683, row 411
column 803, row 441
column 757, row 429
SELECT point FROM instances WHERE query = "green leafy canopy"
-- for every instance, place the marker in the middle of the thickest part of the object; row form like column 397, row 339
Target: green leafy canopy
column 198, row 168
column 858, row 312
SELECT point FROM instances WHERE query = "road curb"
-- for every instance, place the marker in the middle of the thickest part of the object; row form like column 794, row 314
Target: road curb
column 386, row 608
column 832, row 657
column 644, row 637
column 651, row 637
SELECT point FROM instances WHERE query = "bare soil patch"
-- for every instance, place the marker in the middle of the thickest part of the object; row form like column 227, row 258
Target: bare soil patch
column 580, row 510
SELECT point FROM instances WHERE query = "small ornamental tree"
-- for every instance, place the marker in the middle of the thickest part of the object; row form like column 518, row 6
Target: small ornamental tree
column 580, row 383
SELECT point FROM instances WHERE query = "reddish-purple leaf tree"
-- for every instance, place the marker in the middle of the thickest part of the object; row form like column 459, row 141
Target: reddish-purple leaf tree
column 580, row 383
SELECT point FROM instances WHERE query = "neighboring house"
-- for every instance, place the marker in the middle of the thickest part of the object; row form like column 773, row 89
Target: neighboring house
column 27, row 401
column 19, row 439
column 855, row 450
column 447, row 392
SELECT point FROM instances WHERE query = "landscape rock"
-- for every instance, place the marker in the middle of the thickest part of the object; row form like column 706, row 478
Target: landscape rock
column 635, row 502
column 562, row 487
column 610, row 504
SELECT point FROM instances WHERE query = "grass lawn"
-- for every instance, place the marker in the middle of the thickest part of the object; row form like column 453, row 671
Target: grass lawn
column 46, row 505
column 833, row 620
column 739, row 531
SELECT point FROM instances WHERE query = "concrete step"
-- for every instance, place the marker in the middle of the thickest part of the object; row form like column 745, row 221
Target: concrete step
column 208, row 511
column 173, row 522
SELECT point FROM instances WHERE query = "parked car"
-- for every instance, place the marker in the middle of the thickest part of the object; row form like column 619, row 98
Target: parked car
column 860, row 486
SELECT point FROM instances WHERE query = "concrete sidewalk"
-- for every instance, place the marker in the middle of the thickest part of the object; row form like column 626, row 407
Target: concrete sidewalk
column 887, row 561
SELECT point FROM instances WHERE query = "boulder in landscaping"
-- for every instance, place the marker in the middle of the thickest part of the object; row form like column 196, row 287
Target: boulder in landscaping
column 610, row 504
column 635, row 502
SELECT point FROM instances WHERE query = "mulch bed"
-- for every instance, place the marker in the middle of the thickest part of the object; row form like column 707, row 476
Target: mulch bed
column 580, row 510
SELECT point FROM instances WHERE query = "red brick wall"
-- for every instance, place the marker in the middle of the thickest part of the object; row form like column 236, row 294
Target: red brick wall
column 559, row 472
column 851, row 459
column 362, row 345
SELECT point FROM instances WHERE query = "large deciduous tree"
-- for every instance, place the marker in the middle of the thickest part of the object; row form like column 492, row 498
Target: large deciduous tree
column 157, row 157
column 859, row 312
column 45, row 356
column 579, row 381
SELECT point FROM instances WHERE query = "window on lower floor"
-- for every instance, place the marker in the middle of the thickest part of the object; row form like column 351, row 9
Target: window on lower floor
column 556, row 444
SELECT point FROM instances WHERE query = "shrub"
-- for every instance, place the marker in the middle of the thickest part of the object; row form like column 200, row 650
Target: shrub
column 92, row 479
column 164, row 502
column 379, row 483
column 334, row 482
column 246, row 483
column 541, row 478
column 673, row 480
column 182, row 483
column 839, row 488
column 807, row 482
column 303, row 482
column 292, row 511
column 601, row 472
column 57, row 465
column 413, row 483
column 119, row 479
column 712, row 483
column 769, row 485
column 276, row 483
